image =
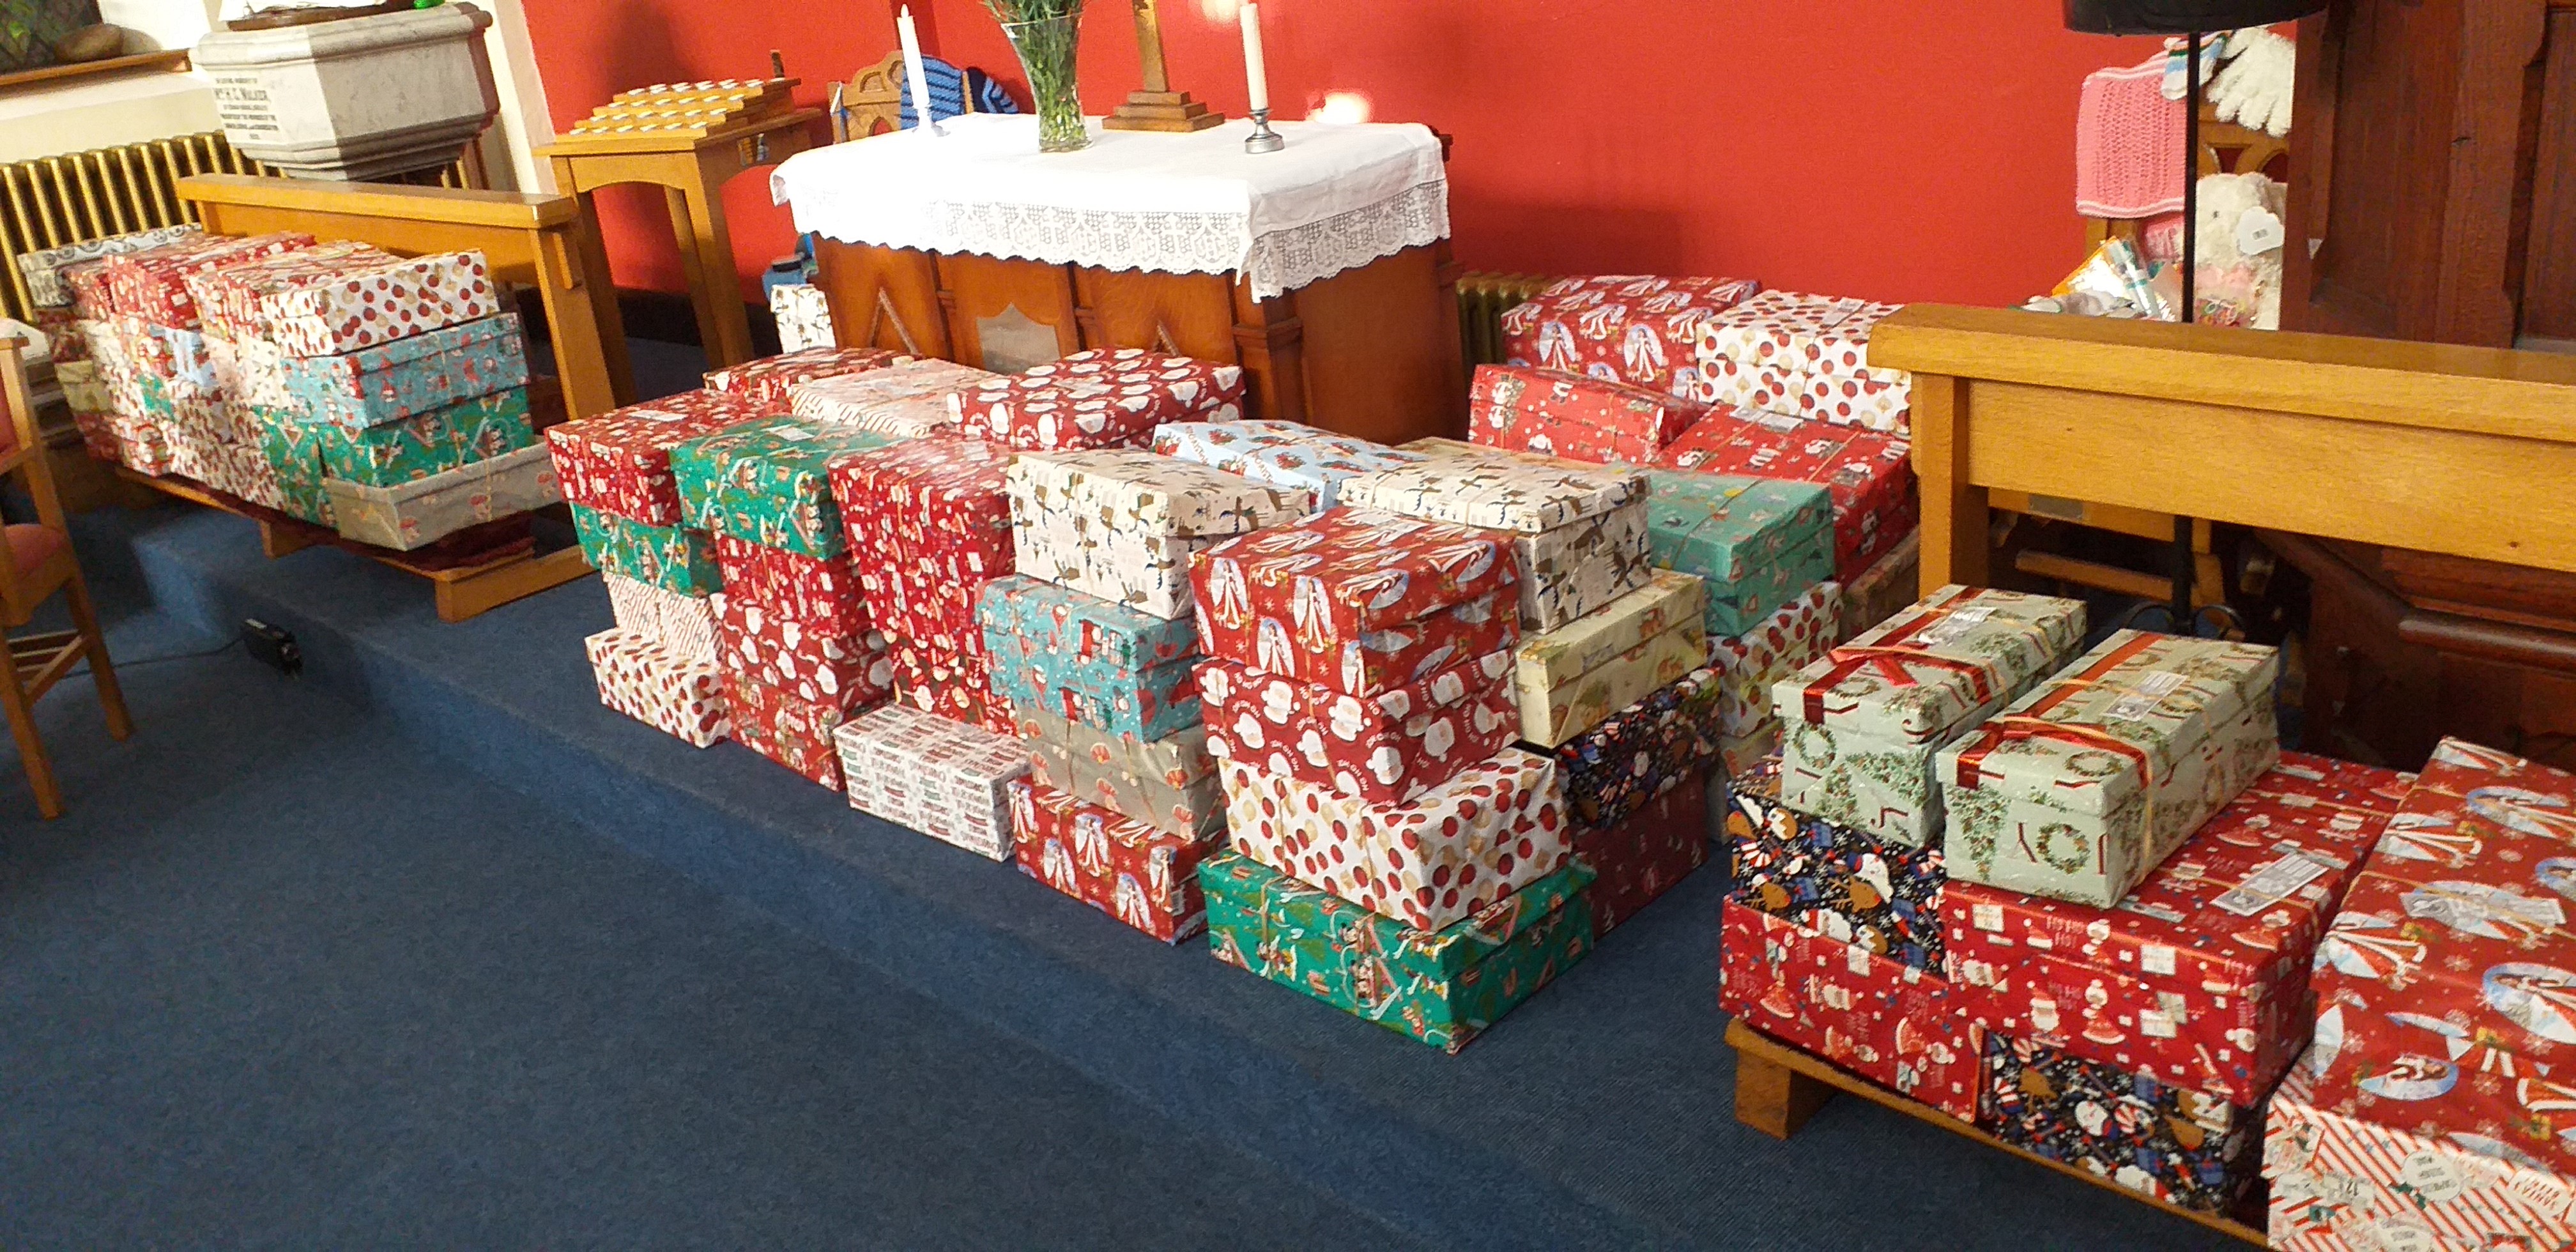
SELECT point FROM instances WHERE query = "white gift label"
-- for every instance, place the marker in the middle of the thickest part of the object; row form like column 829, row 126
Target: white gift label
column 2405, row 1234
column 2156, row 958
column 2541, row 1191
column 1988, row 916
column 2155, row 1025
column 2434, row 1178
column 2270, row 885
column 2131, row 708
column 2258, row 232
column 1783, row 423
column 2159, row 683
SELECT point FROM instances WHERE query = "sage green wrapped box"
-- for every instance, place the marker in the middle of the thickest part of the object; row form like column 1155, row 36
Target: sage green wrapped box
column 768, row 482
column 426, row 510
column 428, row 443
column 1758, row 543
column 1863, row 722
column 1442, row 987
column 2088, row 782
column 668, row 557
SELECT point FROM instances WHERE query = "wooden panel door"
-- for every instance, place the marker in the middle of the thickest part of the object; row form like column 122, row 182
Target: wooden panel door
column 1382, row 356
column 883, row 298
column 1006, row 315
column 2549, row 284
column 1188, row 315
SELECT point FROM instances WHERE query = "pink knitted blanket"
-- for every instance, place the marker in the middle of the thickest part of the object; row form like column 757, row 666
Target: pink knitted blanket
column 2128, row 144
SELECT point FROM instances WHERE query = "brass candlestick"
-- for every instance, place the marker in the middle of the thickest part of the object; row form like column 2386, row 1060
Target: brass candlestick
column 1155, row 106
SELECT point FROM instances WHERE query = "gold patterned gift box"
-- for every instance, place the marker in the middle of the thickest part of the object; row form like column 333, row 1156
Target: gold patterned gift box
column 1571, row 678
column 1169, row 783
column 426, row 510
column 1122, row 525
column 1579, row 531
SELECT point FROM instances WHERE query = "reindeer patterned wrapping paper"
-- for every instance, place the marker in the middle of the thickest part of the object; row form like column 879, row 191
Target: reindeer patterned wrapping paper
column 2446, row 988
column 620, row 462
column 1102, row 398
column 1282, row 454
column 1667, row 740
column 1889, row 1023
column 1086, row 659
column 1759, row 543
column 821, row 596
column 794, row 732
column 1868, row 476
column 1573, row 416
column 1578, row 531
column 1146, row 878
column 1387, row 748
column 766, row 382
column 43, row 268
column 934, row 518
column 1491, row 830
column 1644, row 856
column 1863, row 723
column 1122, row 525
column 1631, row 329
column 2178, row 1145
column 909, row 397
column 1847, row 885
column 843, row 672
column 804, row 316
column 1816, row 339
column 430, row 443
column 1568, row 680
column 642, row 679
column 768, row 482
column 949, row 781
column 364, row 308
column 665, row 556
column 2199, row 978
column 1443, row 987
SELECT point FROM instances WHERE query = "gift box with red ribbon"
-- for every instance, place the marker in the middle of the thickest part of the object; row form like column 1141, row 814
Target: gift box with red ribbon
column 1891, row 1024
column 620, row 462
column 1101, row 398
column 1627, row 328
column 1574, row 416
column 1868, row 476
column 1387, row 748
column 765, row 382
column 1145, row 877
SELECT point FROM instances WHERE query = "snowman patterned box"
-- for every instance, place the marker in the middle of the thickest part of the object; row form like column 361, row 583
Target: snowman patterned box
column 2199, row 978
column 394, row 300
column 1282, row 454
column 1869, row 476
column 1748, row 664
column 766, row 382
column 1101, row 398
column 43, row 268
column 1643, row 857
column 1628, row 328
column 768, row 481
column 1443, row 987
column 1665, row 741
column 2083, row 786
column 1891, row 1024
column 2446, row 987
column 946, row 780
column 909, row 397
column 2344, row 1182
column 804, row 316
column 1758, row 542
column 1863, row 723
column 843, row 672
column 793, row 732
column 153, row 284
column 1578, row 531
column 2185, row 1147
column 822, row 596
column 1848, row 885
column 1388, row 748
column 1089, row 660
column 1122, row 525
column 1574, row 416
column 1569, row 679
column 1491, row 830
column 665, row 556
column 1171, row 784
column 935, row 516
column 648, row 682
column 620, row 462
column 409, row 377
column 1146, row 878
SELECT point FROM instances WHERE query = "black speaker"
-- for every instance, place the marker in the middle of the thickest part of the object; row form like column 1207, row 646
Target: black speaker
column 2181, row 17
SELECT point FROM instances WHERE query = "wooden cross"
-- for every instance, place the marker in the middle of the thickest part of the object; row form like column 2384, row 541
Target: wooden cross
column 1155, row 106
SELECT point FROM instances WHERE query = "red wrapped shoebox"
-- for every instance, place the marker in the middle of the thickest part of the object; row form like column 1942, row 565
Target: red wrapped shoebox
column 1102, row 398
column 2199, row 979
column 1645, row 855
column 1628, row 328
column 1869, row 475
column 1570, row 415
column 1891, row 1024
column 764, row 382
column 846, row 672
column 227, row 297
column 954, row 684
column 620, row 462
column 820, row 595
column 933, row 522
column 1379, row 749
column 795, row 733
column 153, row 284
column 1144, row 877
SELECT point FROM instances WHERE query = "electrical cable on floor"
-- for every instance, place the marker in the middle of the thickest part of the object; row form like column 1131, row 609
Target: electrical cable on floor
column 83, row 667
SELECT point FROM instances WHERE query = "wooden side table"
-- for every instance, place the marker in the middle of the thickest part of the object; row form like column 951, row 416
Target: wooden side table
column 691, row 171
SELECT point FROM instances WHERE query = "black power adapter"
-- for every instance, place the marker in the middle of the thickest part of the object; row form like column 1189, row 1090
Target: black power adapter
column 273, row 646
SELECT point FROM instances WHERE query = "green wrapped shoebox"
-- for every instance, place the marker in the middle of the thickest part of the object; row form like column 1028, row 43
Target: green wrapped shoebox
column 668, row 557
column 427, row 444
column 1759, row 543
column 768, row 482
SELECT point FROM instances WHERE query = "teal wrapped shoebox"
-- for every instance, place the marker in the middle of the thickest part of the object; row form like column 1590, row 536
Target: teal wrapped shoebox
column 408, row 377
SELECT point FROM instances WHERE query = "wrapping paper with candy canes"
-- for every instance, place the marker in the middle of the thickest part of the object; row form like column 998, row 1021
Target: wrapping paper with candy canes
column 395, row 300
column 665, row 556
column 948, row 781
column 43, row 268
column 1491, row 830
column 1758, row 542
column 648, row 682
column 1387, row 748
column 2175, row 1144
column 684, row 624
column 408, row 377
column 1644, row 856
column 843, row 672
column 1146, row 878
column 1844, row 884
column 1627, row 328
column 620, row 462
column 822, row 596
column 768, row 482
column 1282, row 454
column 804, row 316
column 1667, row 740
column 1869, row 476
column 1569, row 679
column 766, row 382
column 1102, row 398
column 909, row 397
column 1569, row 415
column 794, row 732
column 1889, row 1023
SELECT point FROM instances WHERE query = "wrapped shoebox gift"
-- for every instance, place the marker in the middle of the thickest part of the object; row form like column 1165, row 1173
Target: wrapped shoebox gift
column 1102, row 398
column 954, row 685
column 390, row 301
column 1729, row 384
column 1578, row 531
column 1566, row 415
column 1748, row 664
column 1387, row 748
column 1644, row 856
column 1568, row 679
column 1869, row 403
column 430, row 443
column 1889, row 1023
column 1870, row 476
column 1145, row 877
column 43, row 268
column 620, row 462
column 409, row 377
column 1847, row 885
column 684, row 624
column 99, row 437
column 153, row 284
column 1632, row 329
column 60, row 324
column 793, row 732
column 934, row 518
column 1357, row 600
column 908, row 397
column 2081, row 787
column 1093, row 662
column 765, row 382
column 804, row 316
column 228, row 298
column 1864, row 722
column 182, row 364
column 1168, row 782
column 665, row 556
column 648, row 682
column 294, row 455
column 2185, row 1147
column 1808, row 336
column 253, row 372
column 2344, row 1180
column 1666, row 741
column 1886, row 588
column 2199, row 978
column 844, row 672
column 1494, row 828
column 425, row 510
column 768, row 481
column 1122, row 525
column 1758, row 542
column 1443, row 987
column 821, row 596
column 1282, row 454
column 2446, row 987
column 241, row 470
column 946, row 780
column 82, row 390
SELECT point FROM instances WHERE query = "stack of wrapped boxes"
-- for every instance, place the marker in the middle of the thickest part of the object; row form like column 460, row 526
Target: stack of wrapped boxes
column 909, row 397
column 1781, row 352
column 1644, row 331
column 1101, row 398
column 53, row 309
column 933, row 518
column 1870, row 477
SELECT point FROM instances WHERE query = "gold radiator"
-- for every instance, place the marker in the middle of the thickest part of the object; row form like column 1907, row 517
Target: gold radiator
column 1482, row 301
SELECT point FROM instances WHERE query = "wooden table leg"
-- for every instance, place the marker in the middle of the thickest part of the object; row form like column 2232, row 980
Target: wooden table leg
column 276, row 541
column 1955, row 546
column 1773, row 1098
column 581, row 307
column 722, row 324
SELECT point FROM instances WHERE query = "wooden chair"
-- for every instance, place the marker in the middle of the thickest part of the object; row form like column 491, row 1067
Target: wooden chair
column 872, row 101
column 39, row 562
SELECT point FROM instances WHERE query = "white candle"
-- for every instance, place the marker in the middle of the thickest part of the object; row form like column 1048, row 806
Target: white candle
column 1255, row 71
column 912, row 69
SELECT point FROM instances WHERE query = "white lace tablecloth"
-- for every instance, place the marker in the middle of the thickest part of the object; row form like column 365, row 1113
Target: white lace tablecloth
column 1335, row 198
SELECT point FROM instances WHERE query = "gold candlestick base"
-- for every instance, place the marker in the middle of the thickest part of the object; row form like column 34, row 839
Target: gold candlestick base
column 1171, row 111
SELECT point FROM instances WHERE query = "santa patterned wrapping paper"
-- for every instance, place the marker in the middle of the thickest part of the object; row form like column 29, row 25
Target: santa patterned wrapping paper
column 1578, row 531
column 1282, row 454
column 1122, row 525
column 1812, row 338
column 252, row 372
column 426, row 510
column 1568, row 679
column 909, row 397
column 2181, row 1146
column 1443, row 987
column 1889, row 1023
column 294, row 455
column 954, row 685
column 1102, row 398
column 1847, row 885
column 43, row 268
column 1863, row 723
column 841, row 672
column 1869, row 476
column 1758, row 542
column 1387, row 748
column 1566, row 415
column 804, row 316
column 62, row 334
column 935, row 519
column 1491, row 830
column 1645, row 856
column 1748, row 664
column 409, row 377
column 684, row 624
column 2200, row 977
column 2446, row 988
column 648, row 682
column 2081, row 787
column 768, row 482
column 1145, row 877
column 1631, row 329
column 1666, row 741
column 228, row 298
column 821, row 596
column 430, row 443
column 1168, row 782
column 620, row 462
column 766, row 382
column 665, row 556
column 346, row 313
column 1884, row 589
column 1083, row 658
column 2344, row 1183
column 153, row 284
column 794, row 733
column 946, row 780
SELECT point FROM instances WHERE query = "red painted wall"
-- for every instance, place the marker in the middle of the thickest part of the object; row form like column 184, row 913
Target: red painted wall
column 1884, row 148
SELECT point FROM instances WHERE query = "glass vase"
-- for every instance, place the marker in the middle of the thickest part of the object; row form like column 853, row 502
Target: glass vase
column 1046, row 48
